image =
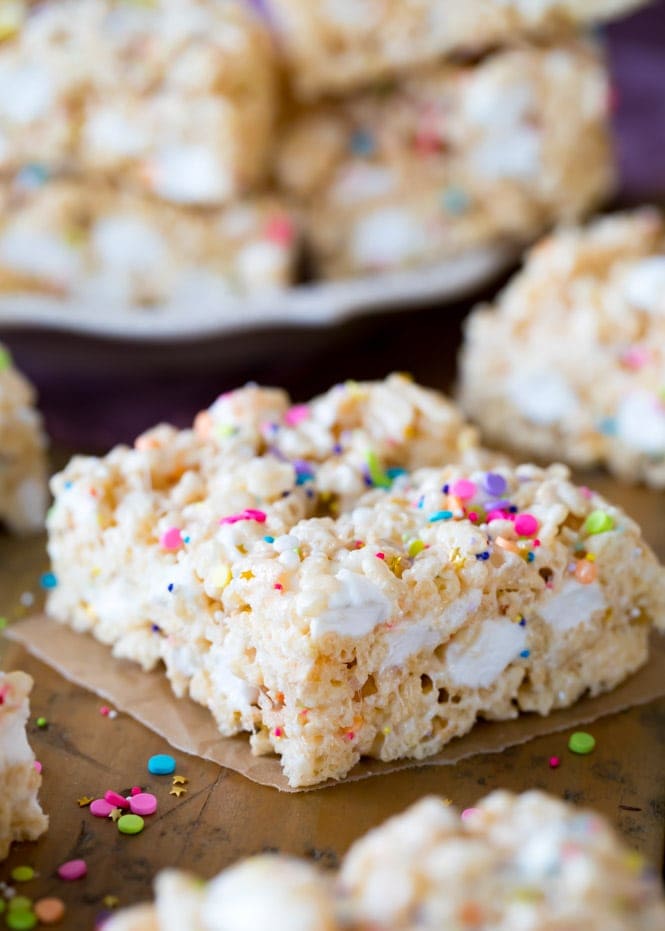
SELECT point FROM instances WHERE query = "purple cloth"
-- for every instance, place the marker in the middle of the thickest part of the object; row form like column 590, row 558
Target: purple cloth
column 95, row 393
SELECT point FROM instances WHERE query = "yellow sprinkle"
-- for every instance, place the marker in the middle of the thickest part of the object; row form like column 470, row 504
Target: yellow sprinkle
column 180, row 780
column 456, row 558
column 220, row 576
column 591, row 557
column 94, row 572
column 247, row 574
column 387, row 730
column 634, row 861
column 415, row 547
column 111, row 901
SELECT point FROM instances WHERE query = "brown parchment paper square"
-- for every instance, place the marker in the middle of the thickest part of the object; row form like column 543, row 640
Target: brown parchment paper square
column 190, row 728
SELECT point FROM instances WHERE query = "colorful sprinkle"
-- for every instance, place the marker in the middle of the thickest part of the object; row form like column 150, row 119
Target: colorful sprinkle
column 415, row 547
column 598, row 522
column 22, row 874
column 48, row 580
column 586, row 572
column 581, row 742
column 116, row 800
column 455, row 201
column 463, row 488
column 100, row 808
column 38, row 766
column 5, row 359
column 469, row 813
column 171, row 539
column 130, row 824
column 296, row 414
column 554, row 762
column 526, row 525
column 439, row 515
column 143, row 804
column 280, row 229
column 494, row 484
column 72, row 870
column 161, row 764
column 41, row 722
column 220, row 576
column 49, row 911
column 20, row 903
column 247, row 514
column 21, row 920
column 377, row 475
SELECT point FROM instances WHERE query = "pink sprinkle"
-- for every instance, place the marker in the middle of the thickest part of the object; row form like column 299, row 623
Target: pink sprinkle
column 143, row 804
column 463, row 489
column 469, row 813
column 100, row 808
column 280, row 229
column 278, row 732
column 497, row 514
column 247, row 514
column 635, row 357
column 380, row 555
column 73, row 869
column 536, row 544
column 296, row 414
column 113, row 798
column 555, row 762
column 586, row 492
column 171, row 539
column 278, row 586
column 38, row 766
column 104, row 710
column 526, row 525
column 136, row 790
column 473, row 517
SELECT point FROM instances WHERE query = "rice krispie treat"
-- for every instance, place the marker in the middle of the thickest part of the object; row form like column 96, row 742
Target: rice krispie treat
column 337, row 45
column 450, row 159
column 21, row 818
column 515, row 861
column 570, row 362
column 178, row 95
column 68, row 239
column 299, row 580
column 23, row 490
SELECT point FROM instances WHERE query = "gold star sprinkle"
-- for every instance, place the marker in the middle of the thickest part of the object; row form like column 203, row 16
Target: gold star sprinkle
column 456, row 558
column 248, row 574
column 115, row 813
column 111, row 901
column 84, row 800
column 177, row 791
column 180, row 780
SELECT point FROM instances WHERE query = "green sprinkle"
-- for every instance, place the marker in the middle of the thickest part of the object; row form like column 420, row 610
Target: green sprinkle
column 130, row 824
column 2, row 906
column 380, row 479
column 3, row 623
column 21, row 920
column 41, row 722
column 20, row 903
column 415, row 547
column 5, row 359
column 598, row 522
column 581, row 742
column 22, row 874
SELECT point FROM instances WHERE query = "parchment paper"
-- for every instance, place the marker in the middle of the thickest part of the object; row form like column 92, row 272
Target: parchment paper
column 190, row 728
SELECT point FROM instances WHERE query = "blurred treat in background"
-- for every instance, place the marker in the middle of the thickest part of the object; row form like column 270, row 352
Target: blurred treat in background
column 333, row 46
column 451, row 158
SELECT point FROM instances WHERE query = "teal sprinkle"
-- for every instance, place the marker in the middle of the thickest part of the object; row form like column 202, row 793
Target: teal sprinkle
column 454, row 200
column 269, row 539
column 608, row 426
column 531, row 557
column 48, row 580
column 439, row 515
column 395, row 472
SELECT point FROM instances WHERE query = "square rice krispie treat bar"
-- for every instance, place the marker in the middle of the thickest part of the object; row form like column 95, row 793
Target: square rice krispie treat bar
column 570, row 362
column 21, row 818
column 302, row 582
column 336, row 45
column 70, row 239
column 457, row 157
column 177, row 95
column 23, row 490
column 524, row 861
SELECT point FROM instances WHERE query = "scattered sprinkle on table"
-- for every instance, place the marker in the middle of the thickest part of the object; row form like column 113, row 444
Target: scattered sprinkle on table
column 161, row 764
column 22, row 920
column 130, row 824
column 41, row 722
column 20, row 903
column 22, row 874
column 554, row 762
column 48, row 580
column 143, row 804
column 100, row 808
column 177, row 791
column 73, row 869
column 116, row 800
column 581, row 742
column 49, row 911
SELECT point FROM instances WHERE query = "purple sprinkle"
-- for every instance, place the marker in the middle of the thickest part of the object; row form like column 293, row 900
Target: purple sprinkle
column 494, row 484
column 337, row 449
column 501, row 504
column 445, row 489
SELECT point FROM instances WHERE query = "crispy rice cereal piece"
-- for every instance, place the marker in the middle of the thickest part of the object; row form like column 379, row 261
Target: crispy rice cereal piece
column 21, row 818
column 333, row 623
column 455, row 158
column 570, row 361
column 23, row 491
column 178, row 95
column 336, row 45
column 515, row 861
column 89, row 241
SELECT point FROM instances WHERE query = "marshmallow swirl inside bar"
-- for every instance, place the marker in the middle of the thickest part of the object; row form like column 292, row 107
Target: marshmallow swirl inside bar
column 452, row 158
column 21, row 818
column 529, row 862
column 332, row 591
column 178, row 95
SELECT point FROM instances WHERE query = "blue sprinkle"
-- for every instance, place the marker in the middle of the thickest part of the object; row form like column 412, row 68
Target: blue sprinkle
column 170, row 586
column 337, row 449
column 440, row 515
column 523, row 622
column 69, row 485
column 162, row 764
column 445, row 489
column 32, row 175
column 186, row 539
column 303, row 477
column 513, row 509
column 608, row 426
column 525, row 654
column 362, row 142
column 531, row 557
column 395, row 472
column 309, row 493
column 155, row 628
column 454, row 200
column 269, row 539
column 483, row 556
column 48, row 580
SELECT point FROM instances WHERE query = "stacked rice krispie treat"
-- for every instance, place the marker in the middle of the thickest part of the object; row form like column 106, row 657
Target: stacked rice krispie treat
column 135, row 142
column 570, row 362
column 515, row 861
column 314, row 576
column 23, row 490
column 21, row 818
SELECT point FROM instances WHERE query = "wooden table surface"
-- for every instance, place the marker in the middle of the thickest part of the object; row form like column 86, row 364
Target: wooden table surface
column 223, row 816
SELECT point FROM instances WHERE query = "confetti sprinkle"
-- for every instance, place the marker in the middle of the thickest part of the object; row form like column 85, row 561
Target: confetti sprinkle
column 100, row 808
column 115, row 814
column 598, row 522
column 116, row 800
column 22, row 920
column 469, row 813
column 296, row 414
column 247, row 514
column 84, row 801
column 162, row 764
column 554, row 762
column 581, row 742
column 41, row 722
column 177, row 791
column 171, row 539
column 180, row 780
column 415, row 547
column 38, row 766
column 22, row 874
column 48, row 580
column 130, row 824
column 439, row 515
column 49, row 911
column 379, row 478
column 463, row 488
column 143, row 804
column 73, row 870
column 526, row 525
